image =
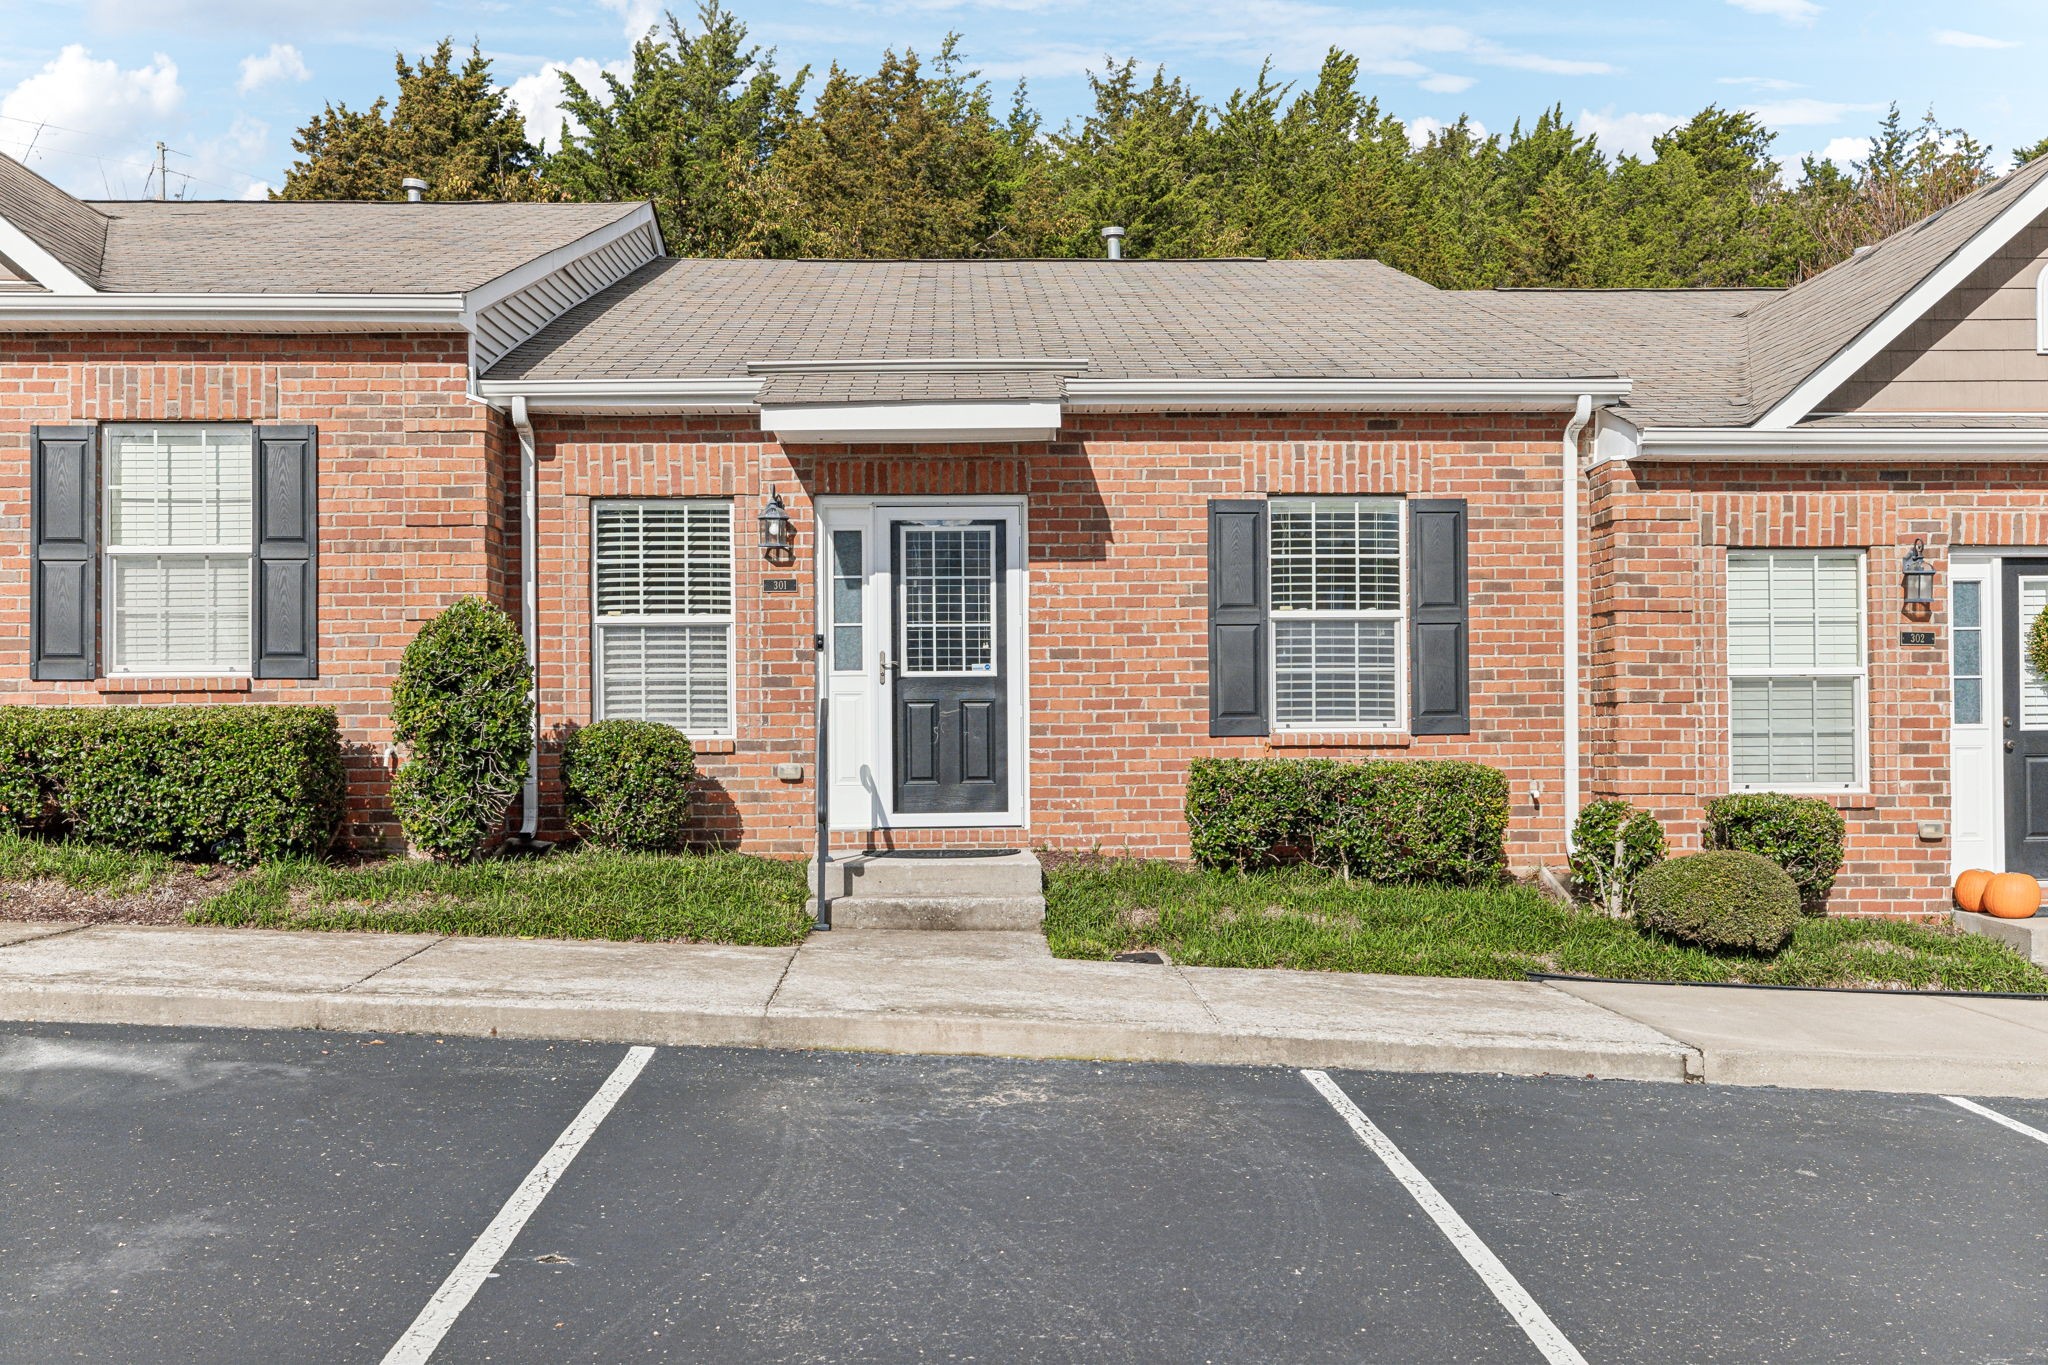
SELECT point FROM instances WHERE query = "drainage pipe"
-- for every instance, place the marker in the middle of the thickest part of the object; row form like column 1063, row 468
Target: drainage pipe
column 529, row 609
column 1569, row 491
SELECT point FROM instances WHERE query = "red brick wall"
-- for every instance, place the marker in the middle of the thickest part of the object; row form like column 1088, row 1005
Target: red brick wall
column 415, row 493
column 1659, row 538
column 1115, row 536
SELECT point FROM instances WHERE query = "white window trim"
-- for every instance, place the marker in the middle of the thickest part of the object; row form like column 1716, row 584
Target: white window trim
column 2041, row 314
column 1860, row 677
column 109, row 552
column 730, row 620
column 1398, row 615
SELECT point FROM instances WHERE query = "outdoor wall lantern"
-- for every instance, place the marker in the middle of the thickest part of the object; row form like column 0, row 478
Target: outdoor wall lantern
column 1918, row 576
column 778, row 530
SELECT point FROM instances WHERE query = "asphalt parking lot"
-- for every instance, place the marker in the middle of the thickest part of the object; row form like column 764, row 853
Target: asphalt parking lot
column 201, row 1195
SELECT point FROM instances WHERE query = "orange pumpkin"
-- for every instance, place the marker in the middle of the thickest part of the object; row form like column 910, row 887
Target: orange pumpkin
column 1970, row 889
column 2012, row 895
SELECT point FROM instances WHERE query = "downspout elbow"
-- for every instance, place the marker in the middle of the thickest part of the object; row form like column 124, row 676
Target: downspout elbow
column 529, row 609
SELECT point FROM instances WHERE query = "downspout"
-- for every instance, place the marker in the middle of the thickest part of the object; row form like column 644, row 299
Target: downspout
column 1569, row 482
column 529, row 609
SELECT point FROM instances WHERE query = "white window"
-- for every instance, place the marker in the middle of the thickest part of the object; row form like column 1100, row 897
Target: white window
column 662, row 574
column 1966, row 650
column 1336, row 585
column 1795, row 670
column 178, row 532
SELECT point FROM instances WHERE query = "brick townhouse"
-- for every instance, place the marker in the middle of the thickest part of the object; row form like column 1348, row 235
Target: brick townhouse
column 1059, row 526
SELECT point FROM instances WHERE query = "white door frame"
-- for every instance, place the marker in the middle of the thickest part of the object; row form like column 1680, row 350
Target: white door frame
column 863, row 778
column 1976, row 771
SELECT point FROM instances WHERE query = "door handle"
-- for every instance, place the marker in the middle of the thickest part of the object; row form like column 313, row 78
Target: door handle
column 885, row 666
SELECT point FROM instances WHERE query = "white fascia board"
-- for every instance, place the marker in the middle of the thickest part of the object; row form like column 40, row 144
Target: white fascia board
column 953, row 365
column 871, row 423
column 349, row 311
column 1904, row 445
column 1239, row 395
column 1799, row 404
column 540, row 267
column 623, row 395
column 45, row 269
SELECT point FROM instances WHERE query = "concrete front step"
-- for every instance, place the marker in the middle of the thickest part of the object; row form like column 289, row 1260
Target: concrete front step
column 896, row 875
column 986, row 914
column 2028, row 936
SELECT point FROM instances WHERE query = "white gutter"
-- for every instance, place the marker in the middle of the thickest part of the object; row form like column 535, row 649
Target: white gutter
column 870, row 423
column 1905, row 445
column 529, row 609
column 1573, row 699
column 1210, row 395
column 624, row 395
column 40, row 311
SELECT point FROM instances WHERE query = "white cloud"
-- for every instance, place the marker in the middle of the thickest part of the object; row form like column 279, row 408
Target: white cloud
column 1955, row 37
column 1421, row 130
column 538, row 97
column 1843, row 150
column 1800, row 12
column 635, row 16
column 1806, row 113
column 258, row 189
column 1494, row 55
column 1626, row 133
column 281, row 63
column 1759, row 82
column 90, row 123
column 1443, row 83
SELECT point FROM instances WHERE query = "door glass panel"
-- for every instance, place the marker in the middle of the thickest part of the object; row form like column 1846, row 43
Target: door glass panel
column 2033, row 595
column 1966, row 650
column 948, row 599
column 847, row 569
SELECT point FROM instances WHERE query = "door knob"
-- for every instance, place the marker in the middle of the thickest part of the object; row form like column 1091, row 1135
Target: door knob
column 2008, row 746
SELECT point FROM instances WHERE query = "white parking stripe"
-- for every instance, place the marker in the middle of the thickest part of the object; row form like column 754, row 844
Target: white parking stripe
column 1556, row 1347
column 2035, row 1133
column 474, row 1268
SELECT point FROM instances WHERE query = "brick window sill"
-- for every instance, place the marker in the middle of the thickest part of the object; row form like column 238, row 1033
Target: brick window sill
column 188, row 685
column 1339, row 739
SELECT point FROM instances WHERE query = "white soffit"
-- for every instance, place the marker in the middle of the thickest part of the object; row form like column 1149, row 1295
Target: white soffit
column 45, row 269
column 1897, row 445
column 943, row 423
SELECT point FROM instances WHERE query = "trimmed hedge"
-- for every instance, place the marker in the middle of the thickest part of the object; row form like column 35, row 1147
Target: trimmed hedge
column 1726, row 900
column 1387, row 820
column 461, row 704
column 1802, row 834
column 627, row 784
column 1599, row 870
column 231, row 783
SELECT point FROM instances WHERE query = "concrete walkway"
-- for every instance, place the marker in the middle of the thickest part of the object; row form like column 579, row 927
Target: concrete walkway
column 1004, row 994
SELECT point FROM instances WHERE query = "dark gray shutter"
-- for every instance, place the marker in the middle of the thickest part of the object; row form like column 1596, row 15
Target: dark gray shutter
column 63, row 615
column 1440, row 633
column 1238, row 618
column 286, row 590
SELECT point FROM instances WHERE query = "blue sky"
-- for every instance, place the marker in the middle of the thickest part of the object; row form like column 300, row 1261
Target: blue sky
column 88, row 86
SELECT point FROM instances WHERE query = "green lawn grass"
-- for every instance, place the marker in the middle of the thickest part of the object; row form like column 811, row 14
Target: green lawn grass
column 88, row 867
column 1306, row 918
column 709, row 898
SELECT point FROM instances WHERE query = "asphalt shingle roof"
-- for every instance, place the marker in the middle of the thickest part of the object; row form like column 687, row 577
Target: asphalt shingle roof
column 677, row 319
column 912, row 386
column 69, row 230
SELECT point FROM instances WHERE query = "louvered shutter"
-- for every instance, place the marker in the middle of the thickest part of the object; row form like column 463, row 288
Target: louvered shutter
column 64, row 560
column 1239, row 618
column 1440, row 629
column 285, row 589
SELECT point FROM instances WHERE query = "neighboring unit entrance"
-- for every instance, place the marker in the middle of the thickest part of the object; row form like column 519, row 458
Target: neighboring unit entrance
column 2023, row 718
column 925, row 646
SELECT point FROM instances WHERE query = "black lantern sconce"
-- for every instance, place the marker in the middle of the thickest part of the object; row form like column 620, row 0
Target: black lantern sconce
column 1918, row 577
column 778, row 531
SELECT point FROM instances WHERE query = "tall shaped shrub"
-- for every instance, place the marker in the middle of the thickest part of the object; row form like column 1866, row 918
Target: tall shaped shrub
column 460, row 705
column 1802, row 834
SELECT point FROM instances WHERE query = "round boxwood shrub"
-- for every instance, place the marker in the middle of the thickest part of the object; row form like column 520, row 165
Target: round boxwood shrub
column 1724, row 900
column 628, row 784
column 1802, row 834
column 1613, row 843
column 461, row 705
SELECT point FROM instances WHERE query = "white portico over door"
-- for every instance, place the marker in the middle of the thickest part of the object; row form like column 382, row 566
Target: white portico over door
column 923, row 604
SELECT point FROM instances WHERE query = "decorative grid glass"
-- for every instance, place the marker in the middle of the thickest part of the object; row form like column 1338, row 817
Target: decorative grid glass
column 1795, row 660
column 179, row 522
column 1966, row 650
column 948, row 599
column 663, row 579
column 846, row 600
column 1336, row 576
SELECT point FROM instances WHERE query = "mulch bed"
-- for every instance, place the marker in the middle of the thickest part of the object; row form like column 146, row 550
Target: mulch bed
column 46, row 899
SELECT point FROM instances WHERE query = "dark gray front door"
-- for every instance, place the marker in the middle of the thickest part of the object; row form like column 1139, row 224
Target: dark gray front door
column 2023, row 710
column 951, row 683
